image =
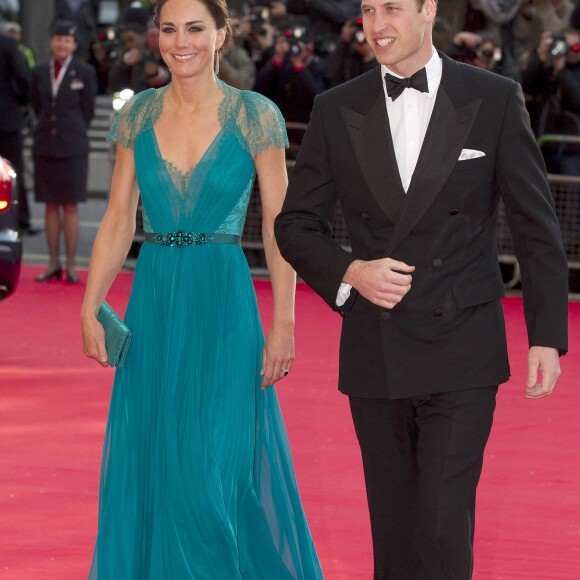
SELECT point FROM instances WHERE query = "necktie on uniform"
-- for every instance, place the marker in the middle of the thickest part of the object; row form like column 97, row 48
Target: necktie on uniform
column 56, row 68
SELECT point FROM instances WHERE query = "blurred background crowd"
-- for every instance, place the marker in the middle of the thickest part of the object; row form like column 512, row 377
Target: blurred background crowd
column 292, row 50
column 288, row 50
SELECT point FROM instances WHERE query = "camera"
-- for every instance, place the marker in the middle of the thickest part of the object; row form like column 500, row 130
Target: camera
column 110, row 44
column 296, row 38
column 558, row 47
column 359, row 35
column 259, row 16
column 487, row 53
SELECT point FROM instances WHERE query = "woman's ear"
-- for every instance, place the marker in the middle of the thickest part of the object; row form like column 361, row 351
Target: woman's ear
column 221, row 38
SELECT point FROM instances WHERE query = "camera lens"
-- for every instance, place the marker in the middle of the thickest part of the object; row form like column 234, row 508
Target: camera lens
column 559, row 48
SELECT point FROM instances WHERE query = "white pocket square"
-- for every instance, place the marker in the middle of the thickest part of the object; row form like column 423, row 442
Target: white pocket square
column 470, row 154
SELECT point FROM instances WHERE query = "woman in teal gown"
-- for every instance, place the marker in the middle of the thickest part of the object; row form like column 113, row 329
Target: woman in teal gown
column 197, row 479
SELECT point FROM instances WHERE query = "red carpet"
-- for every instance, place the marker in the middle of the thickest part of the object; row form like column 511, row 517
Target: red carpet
column 53, row 405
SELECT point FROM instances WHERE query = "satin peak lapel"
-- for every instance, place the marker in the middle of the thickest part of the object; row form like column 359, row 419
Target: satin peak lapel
column 371, row 138
column 445, row 138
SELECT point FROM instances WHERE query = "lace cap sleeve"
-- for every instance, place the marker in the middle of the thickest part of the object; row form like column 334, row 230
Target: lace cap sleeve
column 264, row 125
column 130, row 120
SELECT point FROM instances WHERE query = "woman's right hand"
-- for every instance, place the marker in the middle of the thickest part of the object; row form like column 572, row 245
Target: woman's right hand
column 94, row 338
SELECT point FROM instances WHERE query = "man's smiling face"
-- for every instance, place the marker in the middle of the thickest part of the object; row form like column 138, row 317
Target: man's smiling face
column 399, row 32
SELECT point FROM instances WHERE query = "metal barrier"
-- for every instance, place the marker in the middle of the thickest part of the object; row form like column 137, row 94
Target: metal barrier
column 549, row 138
column 566, row 194
column 565, row 190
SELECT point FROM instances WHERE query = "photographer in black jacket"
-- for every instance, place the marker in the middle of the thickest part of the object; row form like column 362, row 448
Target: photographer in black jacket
column 325, row 18
column 552, row 78
column 351, row 57
column 293, row 77
column 133, row 66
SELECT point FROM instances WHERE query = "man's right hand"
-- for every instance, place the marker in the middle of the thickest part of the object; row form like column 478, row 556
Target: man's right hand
column 383, row 282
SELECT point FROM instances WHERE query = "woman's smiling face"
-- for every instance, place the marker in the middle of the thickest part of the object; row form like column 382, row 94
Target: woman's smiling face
column 189, row 37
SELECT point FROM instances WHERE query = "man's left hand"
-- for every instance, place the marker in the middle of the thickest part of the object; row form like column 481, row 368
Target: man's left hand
column 544, row 360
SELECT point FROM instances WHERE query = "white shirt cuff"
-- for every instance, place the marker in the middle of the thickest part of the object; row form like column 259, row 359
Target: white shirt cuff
column 343, row 294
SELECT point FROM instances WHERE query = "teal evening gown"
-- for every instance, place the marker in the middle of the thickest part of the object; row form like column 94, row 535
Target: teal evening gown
column 197, row 479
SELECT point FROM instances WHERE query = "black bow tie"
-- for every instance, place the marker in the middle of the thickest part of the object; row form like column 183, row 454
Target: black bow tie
column 396, row 86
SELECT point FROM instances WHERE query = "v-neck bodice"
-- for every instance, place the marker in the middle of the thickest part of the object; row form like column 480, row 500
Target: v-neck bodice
column 211, row 197
column 182, row 178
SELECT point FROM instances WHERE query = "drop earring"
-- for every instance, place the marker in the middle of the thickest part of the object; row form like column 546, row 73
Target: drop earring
column 217, row 63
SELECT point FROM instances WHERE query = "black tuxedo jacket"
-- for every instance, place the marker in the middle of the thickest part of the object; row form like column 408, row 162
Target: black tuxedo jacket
column 63, row 122
column 448, row 333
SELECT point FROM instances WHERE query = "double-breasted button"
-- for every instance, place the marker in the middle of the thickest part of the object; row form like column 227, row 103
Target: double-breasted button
column 454, row 212
column 438, row 313
column 386, row 316
column 53, row 104
column 53, row 117
column 365, row 217
column 53, row 131
column 437, row 263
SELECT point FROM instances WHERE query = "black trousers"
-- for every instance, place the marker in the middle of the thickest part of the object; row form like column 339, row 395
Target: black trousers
column 11, row 149
column 422, row 461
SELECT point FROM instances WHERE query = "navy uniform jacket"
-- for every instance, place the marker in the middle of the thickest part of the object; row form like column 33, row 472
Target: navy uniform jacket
column 63, row 121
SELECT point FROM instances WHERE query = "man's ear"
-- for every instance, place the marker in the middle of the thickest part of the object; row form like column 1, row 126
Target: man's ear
column 430, row 10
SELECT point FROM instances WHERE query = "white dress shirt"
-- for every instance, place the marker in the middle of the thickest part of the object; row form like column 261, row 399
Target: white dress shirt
column 409, row 118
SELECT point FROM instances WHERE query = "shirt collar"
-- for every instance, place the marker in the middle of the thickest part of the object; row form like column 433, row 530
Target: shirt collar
column 434, row 69
column 64, row 63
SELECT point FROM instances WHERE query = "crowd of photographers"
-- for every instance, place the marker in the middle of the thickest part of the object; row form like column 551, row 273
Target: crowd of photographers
column 292, row 50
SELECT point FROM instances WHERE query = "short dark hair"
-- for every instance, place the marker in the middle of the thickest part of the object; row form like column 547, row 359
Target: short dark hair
column 217, row 8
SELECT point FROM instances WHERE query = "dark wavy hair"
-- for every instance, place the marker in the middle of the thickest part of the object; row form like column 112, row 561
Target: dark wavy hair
column 217, row 8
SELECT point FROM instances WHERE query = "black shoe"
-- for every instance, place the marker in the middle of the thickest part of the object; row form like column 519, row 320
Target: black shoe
column 72, row 278
column 30, row 231
column 26, row 229
column 55, row 274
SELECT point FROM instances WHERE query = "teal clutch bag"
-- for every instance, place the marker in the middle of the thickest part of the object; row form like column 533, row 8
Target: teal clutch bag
column 117, row 335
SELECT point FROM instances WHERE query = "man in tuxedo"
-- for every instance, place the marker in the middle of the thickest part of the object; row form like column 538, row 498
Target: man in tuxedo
column 418, row 152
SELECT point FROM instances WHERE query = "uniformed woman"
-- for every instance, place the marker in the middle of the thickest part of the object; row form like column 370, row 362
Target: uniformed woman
column 63, row 97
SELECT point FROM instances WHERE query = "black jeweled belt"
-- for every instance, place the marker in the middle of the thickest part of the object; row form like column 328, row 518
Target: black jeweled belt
column 183, row 239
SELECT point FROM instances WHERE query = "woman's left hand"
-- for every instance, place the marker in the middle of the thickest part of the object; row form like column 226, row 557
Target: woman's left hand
column 277, row 355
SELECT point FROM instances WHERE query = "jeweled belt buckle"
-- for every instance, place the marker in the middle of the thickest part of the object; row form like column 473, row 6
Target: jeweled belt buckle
column 181, row 239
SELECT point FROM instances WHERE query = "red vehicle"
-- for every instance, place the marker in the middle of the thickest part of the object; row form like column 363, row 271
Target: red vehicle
column 10, row 242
